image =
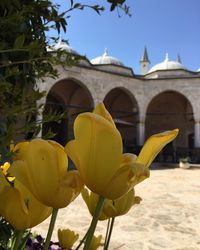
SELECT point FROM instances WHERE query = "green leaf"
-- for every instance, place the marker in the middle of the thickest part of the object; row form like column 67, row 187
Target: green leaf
column 19, row 42
column 77, row 5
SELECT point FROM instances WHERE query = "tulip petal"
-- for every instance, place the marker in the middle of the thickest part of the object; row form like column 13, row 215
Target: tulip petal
column 102, row 111
column 109, row 209
column 125, row 203
column 130, row 174
column 122, row 205
column 96, row 242
column 37, row 212
column 12, row 206
column 19, row 207
column 62, row 158
column 128, row 158
column 45, row 162
column 20, row 150
column 19, row 169
column 96, row 143
column 154, row 145
column 13, row 209
column 39, row 158
column 90, row 200
column 3, row 181
column 69, row 188
column 72, row 152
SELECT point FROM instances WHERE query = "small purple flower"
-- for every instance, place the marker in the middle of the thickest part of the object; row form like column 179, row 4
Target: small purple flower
column 37, row 243
column 39, row 238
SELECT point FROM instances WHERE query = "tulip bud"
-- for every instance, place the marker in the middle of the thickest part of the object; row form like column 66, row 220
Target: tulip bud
column 67, row 238
column 96, row 242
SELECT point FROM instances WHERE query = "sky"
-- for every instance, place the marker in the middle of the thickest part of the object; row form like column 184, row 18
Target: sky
column 163, row 26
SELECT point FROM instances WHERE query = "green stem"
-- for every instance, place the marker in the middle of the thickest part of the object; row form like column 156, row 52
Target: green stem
column 51, row 227
column 81, row 242
column 18, row 236
column 107, row 230
column 93, row 224
column 107, row 242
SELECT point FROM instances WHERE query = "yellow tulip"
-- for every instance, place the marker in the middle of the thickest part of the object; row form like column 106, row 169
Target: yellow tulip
column 18, row 206
column 97, row 153
column 42, row 167
column 67, row 238
column 96, row 242
column 122, row 205
column 111, row 208
column 91, row 200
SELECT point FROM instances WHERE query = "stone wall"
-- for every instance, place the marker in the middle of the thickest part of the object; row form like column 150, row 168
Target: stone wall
column 99, row 81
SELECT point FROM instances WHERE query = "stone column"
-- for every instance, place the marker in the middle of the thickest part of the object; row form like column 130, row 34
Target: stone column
column 140, row 132
column 197, row 134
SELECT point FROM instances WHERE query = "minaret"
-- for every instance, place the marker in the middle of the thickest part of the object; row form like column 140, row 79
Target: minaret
column 144, row 63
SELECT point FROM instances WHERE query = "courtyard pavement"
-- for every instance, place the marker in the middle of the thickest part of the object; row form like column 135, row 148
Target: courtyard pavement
column 168, row 217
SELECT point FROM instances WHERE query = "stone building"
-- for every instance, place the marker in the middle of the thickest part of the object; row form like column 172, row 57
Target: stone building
column 163, row 97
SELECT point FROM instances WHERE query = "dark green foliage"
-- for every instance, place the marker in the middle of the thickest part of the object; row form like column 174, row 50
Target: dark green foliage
column 5, row 233
column 24, row 59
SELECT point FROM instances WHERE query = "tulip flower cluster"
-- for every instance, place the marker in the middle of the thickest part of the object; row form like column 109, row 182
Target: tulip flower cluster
column 38, row 183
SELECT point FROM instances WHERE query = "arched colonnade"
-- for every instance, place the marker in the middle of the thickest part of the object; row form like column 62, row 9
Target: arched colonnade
column 137, row 112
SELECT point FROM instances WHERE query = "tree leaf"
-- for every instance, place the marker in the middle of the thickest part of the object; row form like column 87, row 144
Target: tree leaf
column 19, row 42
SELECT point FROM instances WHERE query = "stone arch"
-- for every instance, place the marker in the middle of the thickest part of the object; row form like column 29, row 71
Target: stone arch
column 155, row 91
column 123, row 107
column 69, row 96
column 168, row 110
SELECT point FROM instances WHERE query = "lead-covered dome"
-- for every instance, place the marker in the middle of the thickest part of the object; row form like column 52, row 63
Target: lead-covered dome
column 106, row 59
column 167, row 65
column 61, row 45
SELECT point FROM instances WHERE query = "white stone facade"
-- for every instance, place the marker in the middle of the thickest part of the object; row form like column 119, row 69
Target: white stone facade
column 145, row 92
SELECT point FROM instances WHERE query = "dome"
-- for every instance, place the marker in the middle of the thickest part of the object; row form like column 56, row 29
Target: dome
column 63, row 46
column 167, row 65
column 106, row 59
